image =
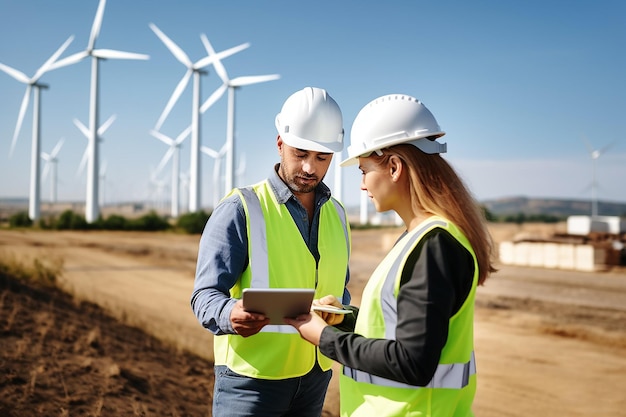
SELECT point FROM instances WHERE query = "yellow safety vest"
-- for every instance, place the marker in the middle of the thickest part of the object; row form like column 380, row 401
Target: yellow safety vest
column 279, row 258
column 451, row 390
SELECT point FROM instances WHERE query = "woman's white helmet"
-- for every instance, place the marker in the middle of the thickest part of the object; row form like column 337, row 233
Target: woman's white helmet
column 391, row 120
column 311, row 119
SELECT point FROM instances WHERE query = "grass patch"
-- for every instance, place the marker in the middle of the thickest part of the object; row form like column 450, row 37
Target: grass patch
column 42, row 272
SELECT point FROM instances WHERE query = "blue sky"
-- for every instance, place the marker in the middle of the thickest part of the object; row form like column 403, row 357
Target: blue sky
column 518, row 86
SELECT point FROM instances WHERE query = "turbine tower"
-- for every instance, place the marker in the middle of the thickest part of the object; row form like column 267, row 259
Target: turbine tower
column 595, row 154
column 33, row 84
column 92, row 207
column 172, row 153
column 240, row 173
column 51, row 166
column 338, row 185
column 231, row 85
column 363, row 214
column 194, row 69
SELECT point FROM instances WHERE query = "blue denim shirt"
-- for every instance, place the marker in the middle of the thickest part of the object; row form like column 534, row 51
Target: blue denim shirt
column 223, row 252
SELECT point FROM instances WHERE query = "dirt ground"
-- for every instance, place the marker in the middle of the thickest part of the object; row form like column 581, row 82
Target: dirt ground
column 548, row 342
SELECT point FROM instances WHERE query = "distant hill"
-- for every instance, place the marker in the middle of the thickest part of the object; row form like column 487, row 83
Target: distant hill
column 498, row 207
column 551, row 206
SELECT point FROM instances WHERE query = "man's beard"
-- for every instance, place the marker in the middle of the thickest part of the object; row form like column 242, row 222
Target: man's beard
column 295, row 186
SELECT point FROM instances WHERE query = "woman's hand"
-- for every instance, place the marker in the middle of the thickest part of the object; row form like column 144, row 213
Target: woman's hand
column 330, row 318
column 309, row 326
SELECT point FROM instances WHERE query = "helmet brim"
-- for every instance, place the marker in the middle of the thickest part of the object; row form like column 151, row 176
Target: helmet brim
column 310, row 145
column 427, row 145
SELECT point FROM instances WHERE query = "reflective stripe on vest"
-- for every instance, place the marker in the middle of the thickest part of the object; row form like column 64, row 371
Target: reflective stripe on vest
column 258, row 240
column 258, row 247
column 388, row 301
column 454, row 375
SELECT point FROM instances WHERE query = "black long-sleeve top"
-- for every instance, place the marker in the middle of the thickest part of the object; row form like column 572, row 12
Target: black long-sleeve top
column 435, row 282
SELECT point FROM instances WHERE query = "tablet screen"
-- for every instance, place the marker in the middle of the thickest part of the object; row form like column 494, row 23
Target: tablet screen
column 277, row 303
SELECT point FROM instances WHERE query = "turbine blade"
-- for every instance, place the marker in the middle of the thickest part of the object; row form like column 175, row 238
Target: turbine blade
column 18, row 75
column 106, row 125
column 224, row 149
column 220, row 55
column 46, row 66
column 174, row 49
column 46, row 168
column 81, row 127
column 164, row 160
column 57, row 148
column 97, row 24
column 216, row 95
column 113, row 54
column 208, row 151
column 253, row 79
column 83, row 162
column 606, row 148
column 20, row 118
column 217, row 64
column 72, row 59
column 160, row 136
column 174, row 98
column 183, row 135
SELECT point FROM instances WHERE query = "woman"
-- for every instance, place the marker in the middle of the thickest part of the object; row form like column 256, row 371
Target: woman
column 409, row 349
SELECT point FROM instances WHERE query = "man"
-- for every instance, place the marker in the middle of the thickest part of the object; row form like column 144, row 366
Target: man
column 286, row 231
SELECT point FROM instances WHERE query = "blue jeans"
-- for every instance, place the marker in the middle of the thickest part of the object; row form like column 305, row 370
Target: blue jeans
column 237, row 395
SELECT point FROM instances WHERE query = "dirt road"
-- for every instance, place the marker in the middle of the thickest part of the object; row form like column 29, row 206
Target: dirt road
column 548, row 343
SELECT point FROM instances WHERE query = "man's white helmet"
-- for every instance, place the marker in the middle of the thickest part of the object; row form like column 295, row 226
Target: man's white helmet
column 391, row 120
column 311, row 119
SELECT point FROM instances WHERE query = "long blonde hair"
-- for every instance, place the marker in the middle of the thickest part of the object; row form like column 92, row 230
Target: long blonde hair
column 436, row 188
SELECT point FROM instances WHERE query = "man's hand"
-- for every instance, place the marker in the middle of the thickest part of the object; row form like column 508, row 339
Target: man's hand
column 246, row 323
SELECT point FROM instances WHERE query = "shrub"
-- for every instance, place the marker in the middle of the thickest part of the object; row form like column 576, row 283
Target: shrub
column 68, row 220
column 193, row 223
column 20, row 219
column 47, row 223
column 149, row 222
column 114, row 222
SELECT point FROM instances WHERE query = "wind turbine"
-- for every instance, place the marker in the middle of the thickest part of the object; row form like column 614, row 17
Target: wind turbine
column 92, row 208
column 33, row 84
column 595, row 154
column 338, row 186
column 363, row 214
column 217, row 156
column 102, row 179
column 194, row 69
column 184, row 185
column 157, row 190
column 231, row 85
column 172, row 152
column 240, row 173
column 51, row 166
column 87, row 134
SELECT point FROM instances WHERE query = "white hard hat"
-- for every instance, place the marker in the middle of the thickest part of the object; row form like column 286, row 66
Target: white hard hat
column 391, row 120
column 310, row 119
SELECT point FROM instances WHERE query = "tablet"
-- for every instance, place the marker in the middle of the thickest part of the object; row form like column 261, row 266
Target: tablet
column 277, row 303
